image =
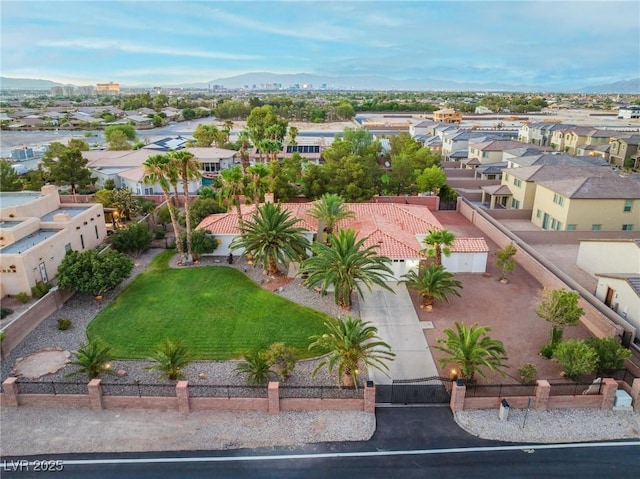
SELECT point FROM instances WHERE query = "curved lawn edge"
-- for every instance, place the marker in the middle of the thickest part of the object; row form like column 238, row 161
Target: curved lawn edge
column 217, row 311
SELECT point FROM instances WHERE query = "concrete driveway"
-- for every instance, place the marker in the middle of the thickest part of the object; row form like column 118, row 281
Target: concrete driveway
column 399, row 326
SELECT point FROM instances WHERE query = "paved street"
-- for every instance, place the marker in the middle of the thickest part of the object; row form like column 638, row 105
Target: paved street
column 395, row 317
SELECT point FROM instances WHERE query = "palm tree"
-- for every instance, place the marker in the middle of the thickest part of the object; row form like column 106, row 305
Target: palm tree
column 353, row 344
column 156, row 170
column 244, row 139
column 233, row 182
column 431, row 283
column 256, row 367
column 271, row 237
column 257, row 174
column 330, row 209
column 437, row 243
column 189, row 168
column 227, row 126
column 171, row 358
column 92, row 359
column 345, row 265
column 471, row 350
column 293, row 134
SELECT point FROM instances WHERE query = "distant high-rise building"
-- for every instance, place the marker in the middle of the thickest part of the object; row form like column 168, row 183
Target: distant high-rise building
column 57, row 91
column 110, row 88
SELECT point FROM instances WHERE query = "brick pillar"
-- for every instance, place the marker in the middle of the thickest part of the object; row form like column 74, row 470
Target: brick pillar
column 182, row 393
column 274, row 397
column 608, row 391
column 543, row 390
column 10, row 394
column 370, row 397
column 635, row 394
column 95, row 393
column 458, row 393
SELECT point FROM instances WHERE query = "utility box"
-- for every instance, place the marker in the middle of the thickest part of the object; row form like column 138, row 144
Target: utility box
column 504, row 410
column 622, row 400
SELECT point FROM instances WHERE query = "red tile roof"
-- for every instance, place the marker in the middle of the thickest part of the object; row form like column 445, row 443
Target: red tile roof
column 393, row 227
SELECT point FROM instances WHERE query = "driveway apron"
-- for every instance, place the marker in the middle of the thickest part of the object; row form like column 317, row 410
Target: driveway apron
column 398, row 325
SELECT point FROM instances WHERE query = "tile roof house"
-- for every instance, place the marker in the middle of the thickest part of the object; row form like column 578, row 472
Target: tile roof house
column 397, row 230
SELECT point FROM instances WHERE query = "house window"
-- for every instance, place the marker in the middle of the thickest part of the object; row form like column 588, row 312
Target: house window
column 627, row 227
column 538, row 213
column 485, row 154
column 506, row 177
column 558, row 199
column 627, row 205
column 571, row 227
column 148, row 191
column 97, row 234
column 82, row 241
column 596, row 227
column 515, row 204
column 517, row 182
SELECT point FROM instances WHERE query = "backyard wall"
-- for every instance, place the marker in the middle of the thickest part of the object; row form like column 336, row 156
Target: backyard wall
column 17, row 330
column 600, row 321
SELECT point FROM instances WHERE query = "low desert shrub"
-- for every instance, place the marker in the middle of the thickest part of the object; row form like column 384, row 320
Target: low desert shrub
column 547, row 351
column 64, row 324
column 4, row 312
column 23, row 297
column 40, row 289
column 528, row 373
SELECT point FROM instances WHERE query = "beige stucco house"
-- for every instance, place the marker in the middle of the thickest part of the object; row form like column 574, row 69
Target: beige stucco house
column 36, row 231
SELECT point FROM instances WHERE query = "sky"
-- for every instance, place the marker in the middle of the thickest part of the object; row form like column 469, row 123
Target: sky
column 540, row 43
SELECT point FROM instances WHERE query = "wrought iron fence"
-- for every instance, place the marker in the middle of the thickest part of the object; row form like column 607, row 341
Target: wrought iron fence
column 623, row 375
column 321, row 392
column 575, row 389
column 500, row 390
column 207, row 390
column 138, row 389
column 51, row 387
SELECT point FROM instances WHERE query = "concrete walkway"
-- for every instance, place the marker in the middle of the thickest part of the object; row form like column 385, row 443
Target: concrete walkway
column 399, row 326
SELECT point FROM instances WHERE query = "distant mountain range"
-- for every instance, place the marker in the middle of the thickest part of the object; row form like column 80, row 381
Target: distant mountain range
column 259, row 79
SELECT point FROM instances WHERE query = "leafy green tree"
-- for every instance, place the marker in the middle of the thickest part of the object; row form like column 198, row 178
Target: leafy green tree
column 69, row 169
column 135, row 239
column 126, row 205
column 346, row 265
column 437, row 243
column 202, row 242
column 158, row 169
column 330, row 209
column 431, row 179
column 94, row 273
column 447, row 193
column 271, row 237
column 9, row 179
column 506, row 261
column 402, row 144
column 256, row 368
column 128, row 131
column 118, row 141
column 188, row 168
column 263, row 123
column 170, row 359
column 472, row 350
column 611, row 354
column 34, row 180
column 203, row 207
column 78, row 144
column 188, row 114
column 315, row 181
column 431, row 283
column 560, row 308
column 345, row 110
column 109, row 184
column 92, row 359
column 576, row 358
column 285, row 178
column 353, row 345
column 205, row 135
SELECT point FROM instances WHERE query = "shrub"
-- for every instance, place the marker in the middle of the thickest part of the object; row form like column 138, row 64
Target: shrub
column 256, row 368
column 94, row 273
column 576, row 358
column 160, row 234
column 4, row 312
column 64, row 324
column 547, row 350
column 528, row 373
column 611, row 354
column 92, row 359
column 282, row 358
column 135, row 239
column 23, row 297
column 171, row 358
column 40, row 289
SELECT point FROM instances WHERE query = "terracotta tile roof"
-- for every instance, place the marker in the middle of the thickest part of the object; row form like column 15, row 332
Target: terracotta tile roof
column 393, row 227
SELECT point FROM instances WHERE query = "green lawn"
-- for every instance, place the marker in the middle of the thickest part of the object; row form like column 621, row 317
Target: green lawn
column 216, row 311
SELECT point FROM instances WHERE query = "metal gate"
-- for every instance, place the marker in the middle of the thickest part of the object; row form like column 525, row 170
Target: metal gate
column 432, row 390
column 448, row 205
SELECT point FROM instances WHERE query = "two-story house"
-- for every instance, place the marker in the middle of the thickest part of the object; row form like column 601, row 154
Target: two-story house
column 624, row 151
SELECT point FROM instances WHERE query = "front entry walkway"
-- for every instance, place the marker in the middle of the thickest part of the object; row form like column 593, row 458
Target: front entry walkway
column 398, row 325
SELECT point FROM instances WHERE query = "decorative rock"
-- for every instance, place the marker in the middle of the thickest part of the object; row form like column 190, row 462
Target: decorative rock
column 121, row 373
column 202, row 376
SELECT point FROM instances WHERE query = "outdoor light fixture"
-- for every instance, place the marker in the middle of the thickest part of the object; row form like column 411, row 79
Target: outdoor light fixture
column 453, row 375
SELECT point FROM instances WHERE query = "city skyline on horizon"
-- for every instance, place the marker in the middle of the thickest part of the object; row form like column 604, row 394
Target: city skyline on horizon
column 563, row 45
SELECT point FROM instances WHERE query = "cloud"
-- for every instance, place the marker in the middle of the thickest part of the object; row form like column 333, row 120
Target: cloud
column 100, row 44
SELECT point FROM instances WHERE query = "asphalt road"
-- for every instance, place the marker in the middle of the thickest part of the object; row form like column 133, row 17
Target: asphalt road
column 409, row 442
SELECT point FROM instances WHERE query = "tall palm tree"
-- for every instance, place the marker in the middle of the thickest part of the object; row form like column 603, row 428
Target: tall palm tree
column 345, row 265
column 353, row 345
column 233, row 182
column 257, row 175
column 437, row 243
column 244, row 139
column 271, row 237
column 227, row 125
column 471, row 350
column 330, row 209
column 189, row 168
column 431, row 283
column 156, row 170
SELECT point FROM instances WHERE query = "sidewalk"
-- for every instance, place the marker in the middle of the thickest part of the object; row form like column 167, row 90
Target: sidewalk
column 395, row 317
